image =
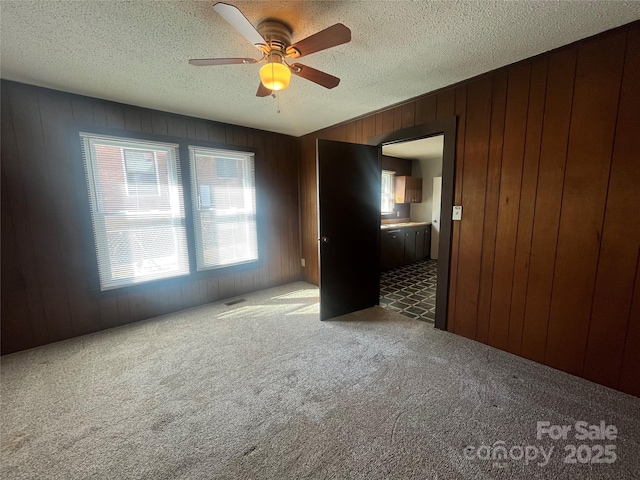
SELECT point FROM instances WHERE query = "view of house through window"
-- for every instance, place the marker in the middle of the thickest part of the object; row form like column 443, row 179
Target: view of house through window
column 387, row 192
column 138, row 214
column 137, row 210
column 224, row 205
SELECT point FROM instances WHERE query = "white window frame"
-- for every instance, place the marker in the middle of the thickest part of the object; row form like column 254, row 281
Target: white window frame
column 175, row 214
column 390, row 195
column 197, row 208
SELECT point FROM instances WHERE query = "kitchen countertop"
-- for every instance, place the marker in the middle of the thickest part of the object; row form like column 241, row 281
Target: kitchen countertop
column 389, row 226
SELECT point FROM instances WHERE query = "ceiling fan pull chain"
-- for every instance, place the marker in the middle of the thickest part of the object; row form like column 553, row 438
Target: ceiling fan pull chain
column 278, row 100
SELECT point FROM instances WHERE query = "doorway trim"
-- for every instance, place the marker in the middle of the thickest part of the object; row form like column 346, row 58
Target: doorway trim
column 446, row 127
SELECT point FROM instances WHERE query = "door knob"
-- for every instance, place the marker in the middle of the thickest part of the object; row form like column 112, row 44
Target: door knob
column 325, row 239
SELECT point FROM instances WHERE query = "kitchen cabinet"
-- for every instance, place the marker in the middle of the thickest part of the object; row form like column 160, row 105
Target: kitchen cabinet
column 402, row 245
column 423, row 242
column 410, row 235
column 408, row 189
column 417, row 243
column 391, row 248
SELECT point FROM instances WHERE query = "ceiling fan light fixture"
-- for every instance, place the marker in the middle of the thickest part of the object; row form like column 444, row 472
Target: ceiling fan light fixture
column 273, row 38
column 275, row 75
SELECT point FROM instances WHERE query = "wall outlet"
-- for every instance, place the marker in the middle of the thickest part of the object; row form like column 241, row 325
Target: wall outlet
column 302, row 262
column 457, row 212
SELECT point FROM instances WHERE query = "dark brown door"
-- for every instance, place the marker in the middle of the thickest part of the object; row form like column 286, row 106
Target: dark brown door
column 349, row 186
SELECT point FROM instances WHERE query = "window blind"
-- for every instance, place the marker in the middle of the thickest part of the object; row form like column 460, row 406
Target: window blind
column 387, row 200
column 137, row 209
column 224, row 206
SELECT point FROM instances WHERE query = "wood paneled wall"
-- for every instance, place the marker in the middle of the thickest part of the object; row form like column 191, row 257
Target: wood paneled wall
column 47, row 250
column 546, row 261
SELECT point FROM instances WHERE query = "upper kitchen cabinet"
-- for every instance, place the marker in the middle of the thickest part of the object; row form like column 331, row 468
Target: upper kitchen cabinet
column 408, row 189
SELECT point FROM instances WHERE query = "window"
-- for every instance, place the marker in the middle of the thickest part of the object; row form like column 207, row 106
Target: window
column 387, row 192
column 226, row 167
column 141, row 170
column 205, row 196
column 137, row 210
column 224, row 207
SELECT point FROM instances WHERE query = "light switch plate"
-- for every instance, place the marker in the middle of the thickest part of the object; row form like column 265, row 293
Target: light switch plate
column 302, row 262
column 457, row 212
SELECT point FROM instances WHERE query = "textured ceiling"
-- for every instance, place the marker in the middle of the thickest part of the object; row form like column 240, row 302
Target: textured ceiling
column 423, row 149
column 136, row 52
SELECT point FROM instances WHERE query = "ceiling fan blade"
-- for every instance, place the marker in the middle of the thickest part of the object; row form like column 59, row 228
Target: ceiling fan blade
column 238, row 21
column 203, row 62
column 263, row 91
column 316, row 76
column 327, row 38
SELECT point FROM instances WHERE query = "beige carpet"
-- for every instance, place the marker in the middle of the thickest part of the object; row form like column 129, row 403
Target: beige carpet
column 263, row 389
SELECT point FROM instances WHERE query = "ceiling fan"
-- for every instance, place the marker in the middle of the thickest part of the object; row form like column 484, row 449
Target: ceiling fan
column 273, row 39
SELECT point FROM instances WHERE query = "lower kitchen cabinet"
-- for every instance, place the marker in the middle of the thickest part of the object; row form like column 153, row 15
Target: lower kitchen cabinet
column 423, row 242
column 391, row 248
column 410, row 235
column 404, row 245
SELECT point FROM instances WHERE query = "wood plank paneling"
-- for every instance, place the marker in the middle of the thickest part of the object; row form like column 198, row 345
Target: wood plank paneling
column 99, row 113
column 509, row 203
column 529, row 185
column 474, row 175
column 629, row 378
column 82, row 111
column 547, row 250
column 379, row 117
column 309, row 208
column 620, row 244
column 425, row 110
column 213, row 294
column 115, row 115
column 387, row 121
column 124, row 312
column 350, row 135
column 49, row 258
column 146, row 121
column 446, row 103
column 55, row 114
column 408, row 115
column 132, row 119
column 15, row 314
column 136, row 306
column 359, row 129
column 492, row 196
column 368, row 128
column 397, row 118
column 152, row 303
column 177, row 127
column 108, row 312
column 14, row 211
column 553, row 152
column 593, row 121
column 41, row 215
column 339, row 133
column 159, row 123
column 216, row 133
column 459, row 109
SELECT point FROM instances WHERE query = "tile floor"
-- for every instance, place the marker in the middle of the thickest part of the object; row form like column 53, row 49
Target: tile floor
column 411, row 290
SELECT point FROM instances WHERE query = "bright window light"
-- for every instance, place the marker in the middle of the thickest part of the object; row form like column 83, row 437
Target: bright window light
column 224, row 207
column 387, row 192
column 137, row 209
